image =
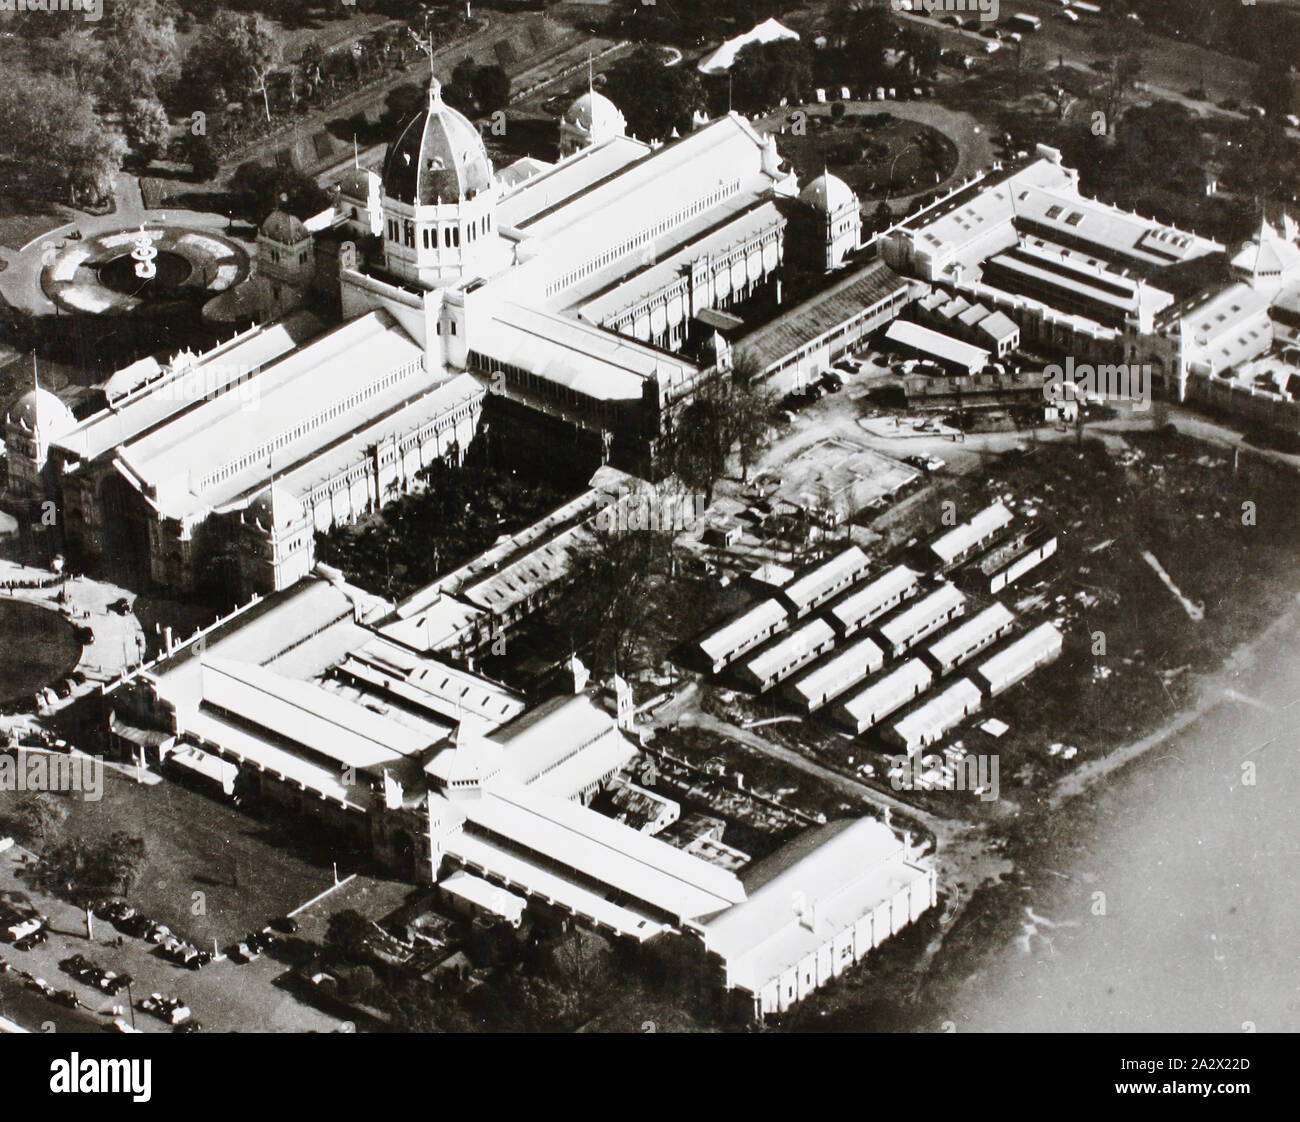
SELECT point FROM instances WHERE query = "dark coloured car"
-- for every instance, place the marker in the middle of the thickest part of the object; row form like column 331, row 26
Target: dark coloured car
column 286, row 924
column 35, row 939
column 65, row 997
column 121, row 606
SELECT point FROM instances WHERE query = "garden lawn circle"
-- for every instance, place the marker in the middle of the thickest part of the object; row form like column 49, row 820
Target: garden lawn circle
column 37, row 648
column 104, row 274
column 877, row 153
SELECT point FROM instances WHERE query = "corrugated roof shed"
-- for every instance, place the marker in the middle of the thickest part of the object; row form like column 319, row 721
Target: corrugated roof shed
column 978, row 631
column 824, row 312
column 960, row 539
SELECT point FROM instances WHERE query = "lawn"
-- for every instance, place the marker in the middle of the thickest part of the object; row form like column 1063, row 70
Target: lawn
column 876, row 154
column 19, row 225
column 247, row 871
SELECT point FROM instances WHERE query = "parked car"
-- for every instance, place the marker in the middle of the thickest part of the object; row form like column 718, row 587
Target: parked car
column 241, row 952
column 287, row 925
column 35, row 939
column 65, row 997
column 190, row 1026
column 122, row 606
column 116, row 984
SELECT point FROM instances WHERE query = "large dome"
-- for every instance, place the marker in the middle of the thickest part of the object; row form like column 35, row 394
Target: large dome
column 596, row 116
column 828, row 193
column 438, row 157
column 41, row 409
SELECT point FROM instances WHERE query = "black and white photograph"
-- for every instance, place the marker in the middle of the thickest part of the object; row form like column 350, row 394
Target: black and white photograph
column 649, row 517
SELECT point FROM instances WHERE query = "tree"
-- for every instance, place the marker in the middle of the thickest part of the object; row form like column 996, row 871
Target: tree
column 39, row 817
column 459, row 91
column 349, row 932
column 256, row 190
column 237, row 56
column 654, row 98
column 79, row 56
column 1271, row 87
column 57, row 138
column 491, row 85
column 765, row 73
column 922, row 47
column 198, row 151
column 147, row 127
column 143, row 57
column 119, row 861
column 724, row 412
column 612, row 598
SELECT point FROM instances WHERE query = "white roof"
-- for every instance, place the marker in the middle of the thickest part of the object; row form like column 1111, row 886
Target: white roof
column 863, row 604
column 1025, row 651
column 848, row 667
column 571, row 176
column 595, row 363
column 485, row 895
column 848, row 876
column 194, row 461
column 940, row 713
column 940, row 602
column 187, row 384
column 450, row 692
column 321, row 721
column 886, row 694
column 791, row 648
column 813, row 585
column 974, row 631
column 910, row 334
column 247, row 747
column 544, row 738
column 961, row 538
column 722, row 59
column 603, row 850
column 739, row 630
column 482, row 853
